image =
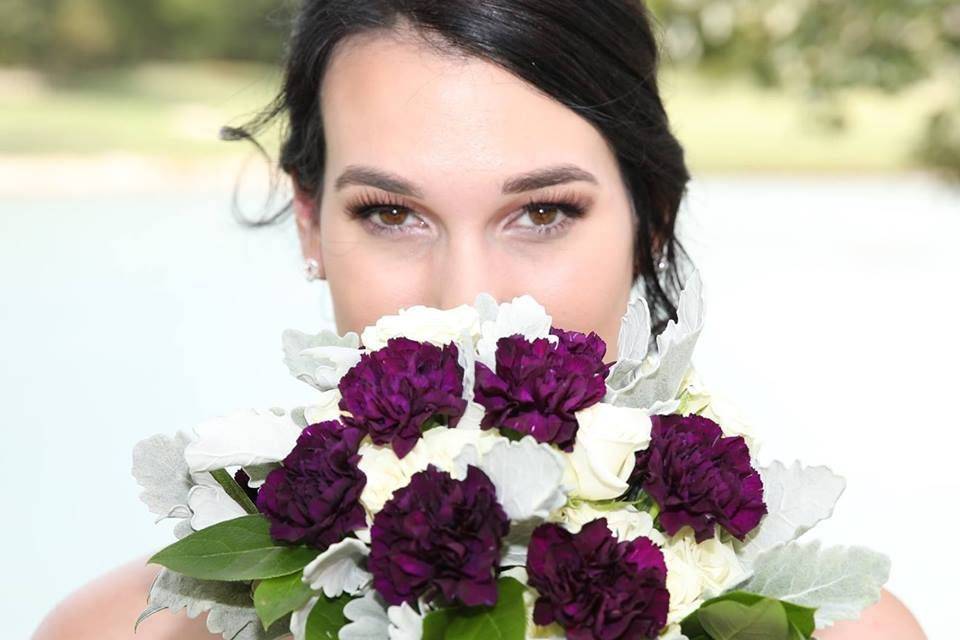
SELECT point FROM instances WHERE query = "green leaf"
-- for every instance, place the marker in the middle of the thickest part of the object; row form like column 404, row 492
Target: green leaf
column 729, row 620
column 238, row 549
column 436, row 622
column 326, row 618
column 234, row 490
column 506, row 620
column 800, row 620
column 275, row 597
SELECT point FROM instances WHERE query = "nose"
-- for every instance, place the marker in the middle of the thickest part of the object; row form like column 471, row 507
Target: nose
column 467, row 266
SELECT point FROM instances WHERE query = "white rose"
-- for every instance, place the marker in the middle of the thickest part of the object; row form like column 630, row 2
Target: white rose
column 325, row 409
column 696, row 399
column 672, row 632
column 472, row 416
column 523, row 315
column 626, row 523
column 245, row 437
column 603, row 454
column 438, row 446
column 424, row 324
column 698, row 571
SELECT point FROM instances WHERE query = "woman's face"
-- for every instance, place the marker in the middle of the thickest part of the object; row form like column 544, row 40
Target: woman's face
column 447, row 177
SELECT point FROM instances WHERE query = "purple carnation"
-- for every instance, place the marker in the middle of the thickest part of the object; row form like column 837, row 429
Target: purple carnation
column 538, row 387
column 391, row 392
column 313, row 497
column 439, row 537
column 596, row 587
column 699, row 478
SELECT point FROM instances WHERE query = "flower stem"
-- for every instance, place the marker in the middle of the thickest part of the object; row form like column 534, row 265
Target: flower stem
column 234, row 491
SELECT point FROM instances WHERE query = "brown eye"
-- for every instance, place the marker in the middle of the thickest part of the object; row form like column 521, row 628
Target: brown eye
column 543, row 214
column 393, row 216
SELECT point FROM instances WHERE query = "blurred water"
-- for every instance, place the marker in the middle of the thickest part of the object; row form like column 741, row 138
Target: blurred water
column 832, row 311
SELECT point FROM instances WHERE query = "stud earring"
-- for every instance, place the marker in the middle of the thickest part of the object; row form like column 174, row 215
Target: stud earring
column 311, row 269
column 662, row 264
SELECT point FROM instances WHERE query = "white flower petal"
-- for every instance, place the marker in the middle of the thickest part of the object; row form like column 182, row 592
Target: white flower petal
column 211, row 505
column 697, row 571
column 338, row 569
column 423, row 324
column 326, row 408
column 472, row 416
column 523, row 315
column 626, row 523
column 241, row 438
column 439, row 446
column 603, row 454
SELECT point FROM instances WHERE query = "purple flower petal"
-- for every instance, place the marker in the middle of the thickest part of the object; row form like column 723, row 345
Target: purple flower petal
column 391, row 392
column 538, row 387
column 596, row 587
column 439, row 538
column 314, row 496
column 699, row 478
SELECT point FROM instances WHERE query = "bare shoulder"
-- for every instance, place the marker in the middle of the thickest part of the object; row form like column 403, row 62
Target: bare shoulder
column 889, row 619
column 107, row 607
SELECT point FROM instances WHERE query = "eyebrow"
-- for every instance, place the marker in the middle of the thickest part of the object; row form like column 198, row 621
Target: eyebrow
column 529, row 181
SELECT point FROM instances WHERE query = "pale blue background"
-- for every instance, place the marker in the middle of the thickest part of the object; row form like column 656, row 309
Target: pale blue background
column 832, row 321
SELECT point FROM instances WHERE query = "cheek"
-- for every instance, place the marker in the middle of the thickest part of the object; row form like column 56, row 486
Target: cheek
column 592, row 296
column 364, row 287
column 367, row 278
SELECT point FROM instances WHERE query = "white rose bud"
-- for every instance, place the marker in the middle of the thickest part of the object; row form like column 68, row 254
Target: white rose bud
column 326, row 408
column 438, row 446
column 698, row 571
column 424, row 324
column 603, row 454
column 626, row 523
column 695, row 398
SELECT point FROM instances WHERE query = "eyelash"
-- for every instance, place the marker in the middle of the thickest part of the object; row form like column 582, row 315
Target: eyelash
column 571, row 204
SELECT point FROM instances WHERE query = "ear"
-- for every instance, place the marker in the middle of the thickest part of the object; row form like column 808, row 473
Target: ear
column 307, row 214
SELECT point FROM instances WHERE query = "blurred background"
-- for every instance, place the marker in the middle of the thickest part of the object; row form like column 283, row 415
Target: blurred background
column 824, row 214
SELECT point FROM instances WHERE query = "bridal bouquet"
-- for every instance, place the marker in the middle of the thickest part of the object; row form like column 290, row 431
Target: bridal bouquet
column 478, row 473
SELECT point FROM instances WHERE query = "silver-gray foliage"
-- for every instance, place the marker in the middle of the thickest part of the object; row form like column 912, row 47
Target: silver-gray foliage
column 643, row 380
column 230, row 606
column 160, row 468
column 319, row 359
column 797, row 498
column 839, row 581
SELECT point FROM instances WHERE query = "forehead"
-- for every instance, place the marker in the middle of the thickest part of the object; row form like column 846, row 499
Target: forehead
column 400, row 104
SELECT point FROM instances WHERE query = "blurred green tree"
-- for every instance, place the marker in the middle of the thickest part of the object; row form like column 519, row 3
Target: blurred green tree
column 815, row 48
column 66, row 35
column 818, row 48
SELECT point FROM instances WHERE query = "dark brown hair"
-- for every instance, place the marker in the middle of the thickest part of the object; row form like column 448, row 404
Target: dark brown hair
column 598, row 58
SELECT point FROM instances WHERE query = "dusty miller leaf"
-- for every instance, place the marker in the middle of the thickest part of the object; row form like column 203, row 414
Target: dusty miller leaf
column 230, row 605
column 838, row 581
column 657, row 378
column 160, row 468
column 320, row 359
column 633, row 339
column 797, row 498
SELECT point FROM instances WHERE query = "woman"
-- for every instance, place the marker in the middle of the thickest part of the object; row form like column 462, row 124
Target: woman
column 440, row 149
